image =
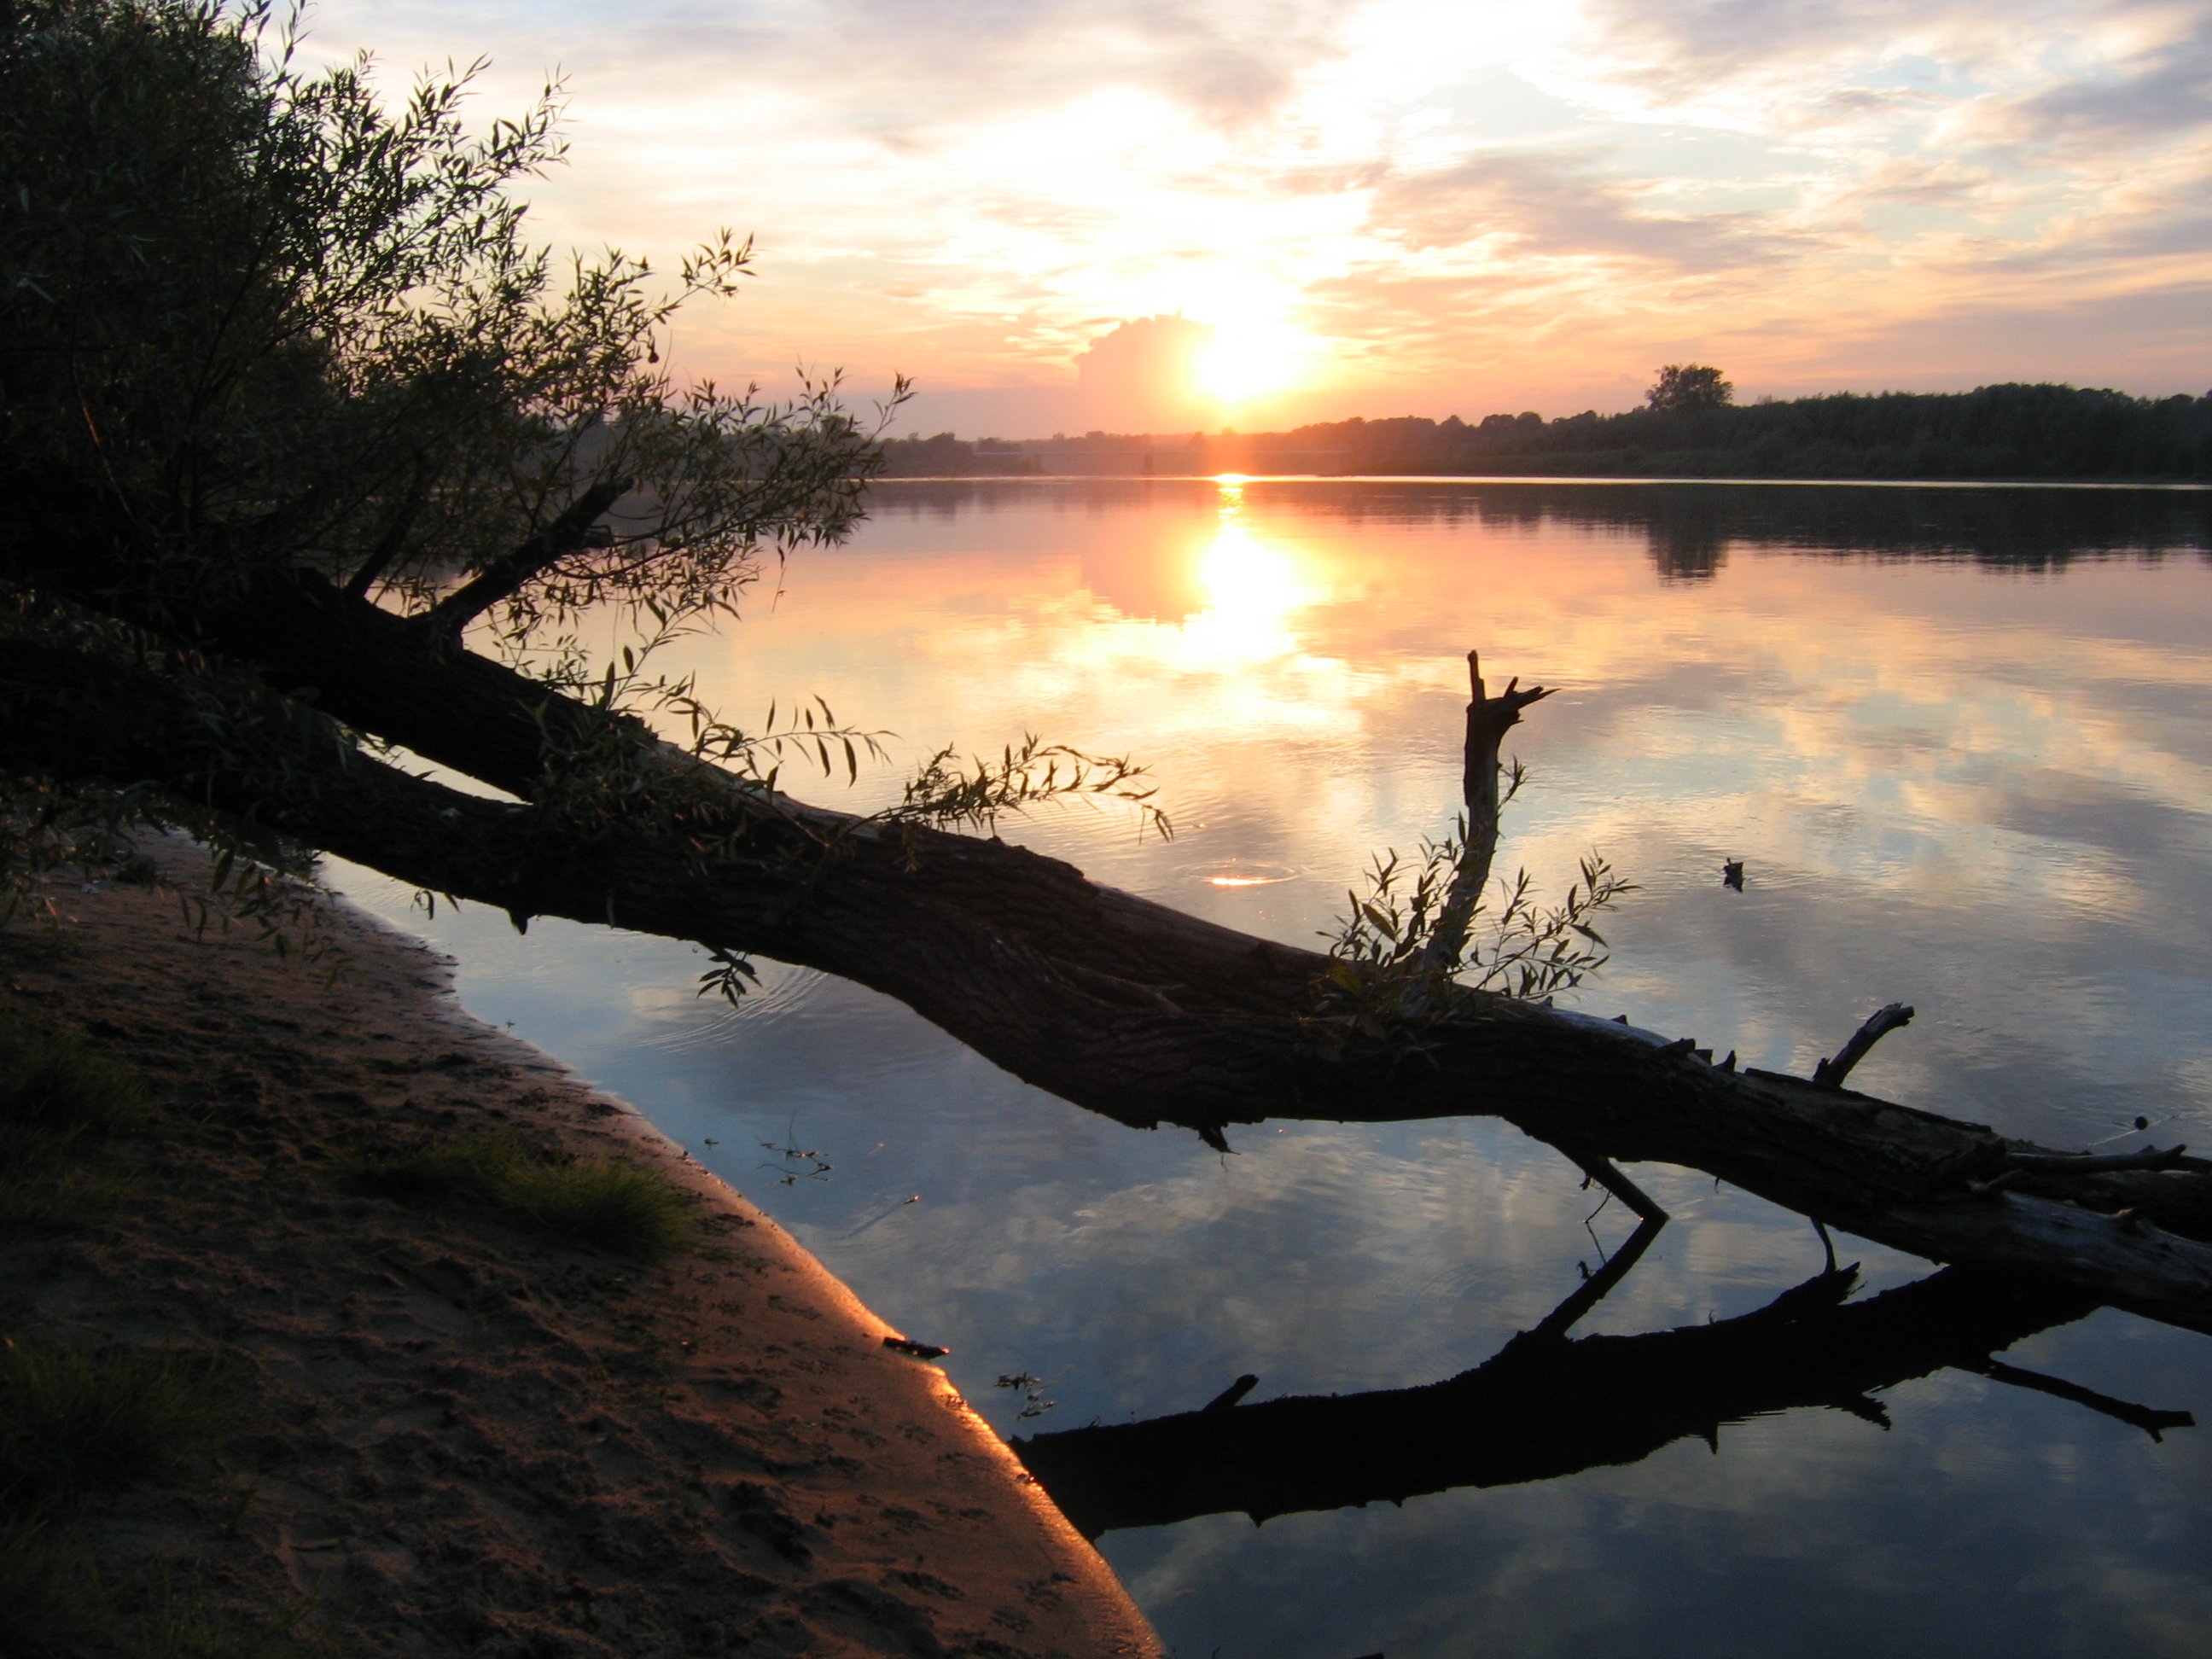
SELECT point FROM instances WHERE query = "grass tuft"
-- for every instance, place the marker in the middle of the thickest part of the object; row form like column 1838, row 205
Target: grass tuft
column 53, row 1599
column 75, row 1426
column 45, row 942
column 476, row 1168
column 54, row 1086
column 60, row 1600
column 75, row 1421
column 57, row 1094
column 611, row 1203
column 615, row 1206
column 40, row 1201
column 178, row 1620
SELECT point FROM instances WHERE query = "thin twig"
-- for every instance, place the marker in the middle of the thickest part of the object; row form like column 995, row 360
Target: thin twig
column 1602, row 1171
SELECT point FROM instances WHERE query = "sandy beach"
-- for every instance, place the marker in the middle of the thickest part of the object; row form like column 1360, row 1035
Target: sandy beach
column 457, row 1436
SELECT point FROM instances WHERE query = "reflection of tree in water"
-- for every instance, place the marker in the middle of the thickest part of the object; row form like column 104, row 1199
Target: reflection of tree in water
column 1545, row 1407
column 1688, row 549
column 1688, row 527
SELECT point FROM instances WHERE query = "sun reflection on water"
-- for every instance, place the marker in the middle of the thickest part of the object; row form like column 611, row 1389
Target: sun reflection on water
column 1252, row 587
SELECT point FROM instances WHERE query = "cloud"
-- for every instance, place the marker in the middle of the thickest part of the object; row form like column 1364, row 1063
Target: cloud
column 1876, row 101
column 1562, row 206
column 2156, row 338
column 1142, row 376
column 1908, row 179
column 2159, row 93
column 1429, row 191
column 903, row 69
column 1680, row 52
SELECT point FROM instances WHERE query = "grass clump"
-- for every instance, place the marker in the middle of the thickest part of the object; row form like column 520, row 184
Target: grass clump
column 60, row 1599
column 176, row 1620
column 611, row 1203
column 54, row 1598
column 77, row 1426
column 42, row 1200
column 606, row 1202
column 75, row 1420
column 59, row 1096
column 54, row 1086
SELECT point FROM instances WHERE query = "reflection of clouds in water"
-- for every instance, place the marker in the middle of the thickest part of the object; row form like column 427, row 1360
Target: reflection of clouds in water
column 1886, row 777
column 1216, row 672
column 1921, row 765
column 1983, row 796
column 1165, row 1566
column 1441, row 1242
column 1179, row 1256
column 1731, row 1545
column 2194, row 1075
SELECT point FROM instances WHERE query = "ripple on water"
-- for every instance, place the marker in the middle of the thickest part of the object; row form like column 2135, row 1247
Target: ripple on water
column 784, row 994
column 1234, row 873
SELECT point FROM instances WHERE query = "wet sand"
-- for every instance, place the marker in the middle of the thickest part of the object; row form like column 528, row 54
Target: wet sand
column 460, row 1438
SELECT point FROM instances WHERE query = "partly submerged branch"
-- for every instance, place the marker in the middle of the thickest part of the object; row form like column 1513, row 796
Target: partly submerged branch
column 1112, row 1002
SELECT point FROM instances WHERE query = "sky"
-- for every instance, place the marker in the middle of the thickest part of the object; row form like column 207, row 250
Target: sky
column 1061, row 217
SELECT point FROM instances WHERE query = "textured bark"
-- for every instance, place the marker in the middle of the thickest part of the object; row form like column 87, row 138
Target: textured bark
column 1112, row 1002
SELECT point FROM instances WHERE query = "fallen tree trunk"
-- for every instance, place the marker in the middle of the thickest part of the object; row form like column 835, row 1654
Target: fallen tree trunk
column 1112, row 1002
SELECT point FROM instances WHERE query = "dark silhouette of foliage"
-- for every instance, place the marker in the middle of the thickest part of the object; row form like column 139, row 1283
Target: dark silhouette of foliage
column 1995, row 432
column 267, row 338
column 1686, row 388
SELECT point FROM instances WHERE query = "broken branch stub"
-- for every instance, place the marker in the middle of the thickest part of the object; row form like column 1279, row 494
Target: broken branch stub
column 1488, row 719
column 1830, row 1073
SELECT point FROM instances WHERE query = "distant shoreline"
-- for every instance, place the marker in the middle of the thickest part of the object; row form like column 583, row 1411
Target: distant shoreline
column 2025, row 433
column 2190, row 485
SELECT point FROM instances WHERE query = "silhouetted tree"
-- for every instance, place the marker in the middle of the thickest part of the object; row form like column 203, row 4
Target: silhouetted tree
column 1685, row 388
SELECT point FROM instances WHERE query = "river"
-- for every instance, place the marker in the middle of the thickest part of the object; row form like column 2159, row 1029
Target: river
column 1960, row 739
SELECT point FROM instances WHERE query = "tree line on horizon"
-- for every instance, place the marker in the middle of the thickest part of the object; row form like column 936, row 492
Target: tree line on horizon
column 1690, row 427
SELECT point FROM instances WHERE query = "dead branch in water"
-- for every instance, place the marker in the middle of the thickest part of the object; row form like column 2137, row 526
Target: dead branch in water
column 1117, row 1003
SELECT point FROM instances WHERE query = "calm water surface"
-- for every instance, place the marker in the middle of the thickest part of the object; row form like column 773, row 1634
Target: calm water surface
column 1962, row 739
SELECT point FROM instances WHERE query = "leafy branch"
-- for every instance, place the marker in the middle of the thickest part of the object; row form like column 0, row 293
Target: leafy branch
column 1395, row 960
column 943, row 794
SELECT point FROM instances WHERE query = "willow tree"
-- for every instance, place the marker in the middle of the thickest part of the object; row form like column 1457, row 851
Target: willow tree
column 312, row 460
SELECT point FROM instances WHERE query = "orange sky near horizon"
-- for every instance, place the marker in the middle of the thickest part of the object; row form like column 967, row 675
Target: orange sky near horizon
column 1380, row 206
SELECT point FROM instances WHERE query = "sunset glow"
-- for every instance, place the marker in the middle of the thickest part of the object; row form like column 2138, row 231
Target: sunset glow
column 1253, row 587
column 1248, row 361
column 1387, row 207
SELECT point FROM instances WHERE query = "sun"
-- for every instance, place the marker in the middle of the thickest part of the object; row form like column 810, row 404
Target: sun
column 1248, row 359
